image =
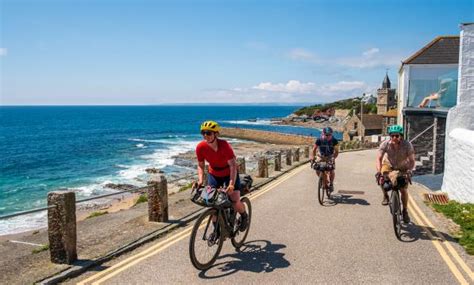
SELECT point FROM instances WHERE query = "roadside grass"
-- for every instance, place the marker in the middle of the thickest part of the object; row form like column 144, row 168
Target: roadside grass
column 142, row 199
column 96, row 214
column 186, row 187
column 40, row 249
column 463, row 215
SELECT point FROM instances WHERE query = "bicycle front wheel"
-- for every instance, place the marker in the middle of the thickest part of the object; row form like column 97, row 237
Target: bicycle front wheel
column 239, row 237
column 206, row 240
column 321, row 189
column 396, row 213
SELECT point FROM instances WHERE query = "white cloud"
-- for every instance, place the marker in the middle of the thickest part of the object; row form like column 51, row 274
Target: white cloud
column 292, row 86
column 371, row 52
column 369, row 59
column 301, row 54
column 287, row 92
column 3, row 51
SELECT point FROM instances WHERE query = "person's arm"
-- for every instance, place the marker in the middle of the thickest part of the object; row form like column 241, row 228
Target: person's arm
column 336, row 151
column 378, row 161
column 433, row 96
column 313, row 152
column 200, row 169
column 233, row 175
column 411, row 161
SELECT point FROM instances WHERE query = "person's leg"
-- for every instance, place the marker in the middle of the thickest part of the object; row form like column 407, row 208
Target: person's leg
column 385, row 170
column 404, row 193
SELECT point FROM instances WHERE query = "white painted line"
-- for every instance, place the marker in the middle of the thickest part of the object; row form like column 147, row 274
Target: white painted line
column 24, row 242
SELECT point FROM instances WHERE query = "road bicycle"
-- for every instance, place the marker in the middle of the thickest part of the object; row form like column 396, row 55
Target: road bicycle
column 215, row 225
column 395, row 203
column 324, row 168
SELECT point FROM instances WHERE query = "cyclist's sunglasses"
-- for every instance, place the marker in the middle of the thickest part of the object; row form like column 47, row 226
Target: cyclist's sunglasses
column 395, row 136
column 207, row 133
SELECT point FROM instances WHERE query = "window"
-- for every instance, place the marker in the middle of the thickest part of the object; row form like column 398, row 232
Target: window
column 439, row 82
column 392, row 121
column 355, row 126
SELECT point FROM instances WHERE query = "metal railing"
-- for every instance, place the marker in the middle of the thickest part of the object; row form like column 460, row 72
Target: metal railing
column 424, row 131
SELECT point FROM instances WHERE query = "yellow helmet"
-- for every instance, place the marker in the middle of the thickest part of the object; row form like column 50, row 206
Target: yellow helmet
column 210, row 126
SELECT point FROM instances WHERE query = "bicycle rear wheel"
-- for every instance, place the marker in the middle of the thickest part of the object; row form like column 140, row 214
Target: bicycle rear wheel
column 396, row 213
column 206, row 240
column 321, row 189
column 239, row 237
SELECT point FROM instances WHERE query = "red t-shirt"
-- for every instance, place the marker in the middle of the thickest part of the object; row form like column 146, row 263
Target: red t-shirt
column 216, row 159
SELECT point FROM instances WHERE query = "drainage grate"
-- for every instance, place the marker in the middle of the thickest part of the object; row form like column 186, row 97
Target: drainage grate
column 351, row 192
column 441, row 198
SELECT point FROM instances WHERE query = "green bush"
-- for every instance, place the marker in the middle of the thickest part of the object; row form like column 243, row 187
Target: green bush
column 142, row 199
column 463, row 215
column 96, row 214
column 186, row 187
column 40, row 249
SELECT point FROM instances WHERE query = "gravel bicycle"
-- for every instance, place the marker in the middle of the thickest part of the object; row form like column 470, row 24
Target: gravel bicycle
column 215, row 225
column 395, row 204
column 324, row 168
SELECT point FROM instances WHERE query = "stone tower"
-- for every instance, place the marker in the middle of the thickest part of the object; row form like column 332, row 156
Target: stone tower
column 385, row 97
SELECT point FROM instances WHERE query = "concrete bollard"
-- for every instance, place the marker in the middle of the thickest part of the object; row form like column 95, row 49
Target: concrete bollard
column 262, row 167
column 241, row 165
column 297, row 154
column 306, row 151
column 157, row 197
column 278, row 161
column 62, row 227
column 288, row 157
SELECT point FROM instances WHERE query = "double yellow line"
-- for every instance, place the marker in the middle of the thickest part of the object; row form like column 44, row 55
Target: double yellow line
column 133, row 260
column 438, row 241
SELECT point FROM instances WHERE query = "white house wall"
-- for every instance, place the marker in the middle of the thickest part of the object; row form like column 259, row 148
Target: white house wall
column 458, row 179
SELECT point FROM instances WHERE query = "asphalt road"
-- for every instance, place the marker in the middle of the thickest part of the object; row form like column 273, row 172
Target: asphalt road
column 293, row 240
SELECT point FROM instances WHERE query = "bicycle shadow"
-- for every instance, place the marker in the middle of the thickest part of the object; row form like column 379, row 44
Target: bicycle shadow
column 258, row 256
column 346, row 199
column 413, row 232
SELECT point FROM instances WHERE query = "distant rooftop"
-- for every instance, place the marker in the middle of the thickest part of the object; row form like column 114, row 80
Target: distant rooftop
column 441, row 50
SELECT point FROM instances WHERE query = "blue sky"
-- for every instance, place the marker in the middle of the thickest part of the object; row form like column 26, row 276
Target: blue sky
column 160, row 52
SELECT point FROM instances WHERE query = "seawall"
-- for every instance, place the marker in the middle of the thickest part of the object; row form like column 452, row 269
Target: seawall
column 266, row 136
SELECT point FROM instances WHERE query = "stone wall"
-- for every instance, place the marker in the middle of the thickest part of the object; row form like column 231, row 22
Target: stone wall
column 266, row 137
column 429, row 147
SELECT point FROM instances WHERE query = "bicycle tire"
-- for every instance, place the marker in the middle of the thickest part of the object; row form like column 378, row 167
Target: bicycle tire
column 236, row 242
column 206, row 218
column 321, row 190
column 396, row 213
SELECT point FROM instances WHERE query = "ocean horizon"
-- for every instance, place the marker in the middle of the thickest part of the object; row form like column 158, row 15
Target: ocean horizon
column 45, row 148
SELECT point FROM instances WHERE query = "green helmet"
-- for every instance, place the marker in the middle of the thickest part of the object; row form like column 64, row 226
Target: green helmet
column 395, row 129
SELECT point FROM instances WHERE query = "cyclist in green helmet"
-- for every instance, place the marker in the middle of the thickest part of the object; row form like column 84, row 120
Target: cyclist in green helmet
column 395, row 157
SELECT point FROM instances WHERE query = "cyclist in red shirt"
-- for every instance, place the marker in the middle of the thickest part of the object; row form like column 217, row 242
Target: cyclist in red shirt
column 222, row 166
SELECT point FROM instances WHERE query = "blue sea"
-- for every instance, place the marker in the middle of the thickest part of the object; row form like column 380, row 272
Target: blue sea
column 85, row 147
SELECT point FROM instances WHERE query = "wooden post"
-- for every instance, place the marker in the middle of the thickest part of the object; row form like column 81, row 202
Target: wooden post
column 306, row 151
column 278, row 161
column 62, row 227
column 241, row 165
column 157, row 197
column 297, row 154
column 262, row 167
column 288, row 157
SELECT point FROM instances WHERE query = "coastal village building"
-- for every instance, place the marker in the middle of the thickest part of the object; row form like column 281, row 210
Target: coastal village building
column 389, row 118
column 432, row 69
column 358, row 129
column 386, row 98
column 458, row 180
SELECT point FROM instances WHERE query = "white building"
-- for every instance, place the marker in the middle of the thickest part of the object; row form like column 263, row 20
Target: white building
column 458, row 179
column 424, row 72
